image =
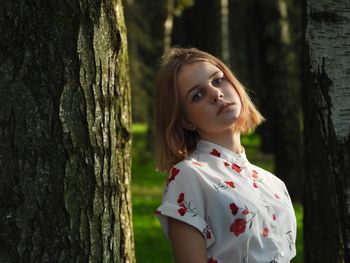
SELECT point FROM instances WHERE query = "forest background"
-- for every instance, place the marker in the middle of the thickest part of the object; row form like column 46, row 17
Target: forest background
column 76, row 119
column 261, row 41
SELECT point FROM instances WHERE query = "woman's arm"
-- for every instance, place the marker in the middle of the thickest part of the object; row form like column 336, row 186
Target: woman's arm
column 188, row 243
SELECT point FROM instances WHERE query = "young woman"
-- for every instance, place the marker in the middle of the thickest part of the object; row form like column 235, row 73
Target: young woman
column 217, row 207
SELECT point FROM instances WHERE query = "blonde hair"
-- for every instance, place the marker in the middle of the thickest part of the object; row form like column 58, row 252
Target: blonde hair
column 174, row 142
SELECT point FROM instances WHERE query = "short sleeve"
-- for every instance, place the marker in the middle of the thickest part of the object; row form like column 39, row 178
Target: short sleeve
column 183, row 200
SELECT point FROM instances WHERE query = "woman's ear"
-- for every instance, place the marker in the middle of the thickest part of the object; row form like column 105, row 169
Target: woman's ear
column 185, row 123
column 188, row 125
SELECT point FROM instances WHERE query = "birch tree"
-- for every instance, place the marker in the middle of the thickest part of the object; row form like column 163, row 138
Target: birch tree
column 64, row 132
column 326, row 99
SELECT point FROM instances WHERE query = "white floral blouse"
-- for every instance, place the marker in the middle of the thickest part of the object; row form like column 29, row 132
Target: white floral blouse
column 244, row 212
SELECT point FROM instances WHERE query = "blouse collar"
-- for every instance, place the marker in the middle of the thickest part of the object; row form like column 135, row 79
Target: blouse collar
column 214, row 149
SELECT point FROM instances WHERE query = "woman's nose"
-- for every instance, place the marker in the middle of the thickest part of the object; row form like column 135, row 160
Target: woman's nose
column 216, row 95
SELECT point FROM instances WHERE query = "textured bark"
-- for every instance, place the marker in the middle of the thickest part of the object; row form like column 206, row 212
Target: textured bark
column 326, row 101
column 64, row 132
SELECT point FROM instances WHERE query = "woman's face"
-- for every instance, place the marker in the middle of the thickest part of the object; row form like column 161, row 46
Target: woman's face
column 210, row 102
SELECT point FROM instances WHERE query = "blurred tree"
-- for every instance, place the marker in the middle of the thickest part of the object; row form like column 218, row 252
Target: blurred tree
column 149, row 26
column 199, row 26
column 263, row 43
column 145, row 23
column 64, row 132
column 225, row 32
column 174, row 8
column 326, row 103
column 244, row 43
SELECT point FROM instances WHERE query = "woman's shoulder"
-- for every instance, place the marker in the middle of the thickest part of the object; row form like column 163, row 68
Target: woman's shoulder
column 190, row 164
column 187, row 169
column 267, row 175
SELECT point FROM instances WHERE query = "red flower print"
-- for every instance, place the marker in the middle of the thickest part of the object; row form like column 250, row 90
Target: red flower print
column 254, row 174
column 211, row 260
column 234, row 208
column 231, row 184
column 197, row 163
column 274, row 217
column 255, row 185
column 215, row 153
column 173, row 173
column 181, row 198
column 157, row 212
column 206, row 232
column 182, row 210
column 236, row 168
column 208, row 235
column 222, row 185
column 277, row 196
column 238, row 227
column 184, row 206
column 245, row 212
column 265, row 232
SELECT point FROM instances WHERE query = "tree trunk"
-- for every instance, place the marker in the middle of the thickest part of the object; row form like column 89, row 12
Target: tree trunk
column 282, row 94
column 200, row 26
column 264, row 47
column 145, row 23
column 225, row 32
column 64, row 132
column 168, row 24
column 326, row 102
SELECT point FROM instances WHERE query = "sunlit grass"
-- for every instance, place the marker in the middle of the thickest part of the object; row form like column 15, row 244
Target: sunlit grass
column 139, row 128
column 298, row 208
column 150, row 242
column 147, row 185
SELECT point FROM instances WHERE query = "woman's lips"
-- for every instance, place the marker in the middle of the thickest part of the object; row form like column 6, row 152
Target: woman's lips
column 223, row 107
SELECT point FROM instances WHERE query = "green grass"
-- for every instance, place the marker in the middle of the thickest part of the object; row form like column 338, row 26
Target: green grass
column 147, row 185
column 298, row 208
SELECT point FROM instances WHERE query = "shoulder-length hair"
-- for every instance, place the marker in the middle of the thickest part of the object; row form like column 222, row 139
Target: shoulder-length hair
column 174, row 141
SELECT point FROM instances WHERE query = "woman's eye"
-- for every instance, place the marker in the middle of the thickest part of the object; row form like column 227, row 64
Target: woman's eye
column 198, row 95
column 218, row 81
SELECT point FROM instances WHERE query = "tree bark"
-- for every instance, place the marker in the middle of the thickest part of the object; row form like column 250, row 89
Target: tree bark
column 326, row 103
column 64, row 132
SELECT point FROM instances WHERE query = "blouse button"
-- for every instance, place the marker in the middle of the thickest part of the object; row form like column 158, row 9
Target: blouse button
column 281, row 253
